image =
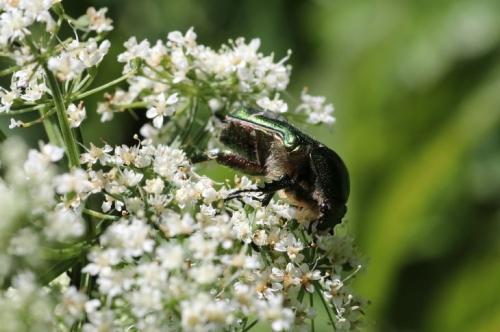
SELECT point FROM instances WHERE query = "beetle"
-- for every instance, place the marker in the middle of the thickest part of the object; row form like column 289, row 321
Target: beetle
column 310, row 174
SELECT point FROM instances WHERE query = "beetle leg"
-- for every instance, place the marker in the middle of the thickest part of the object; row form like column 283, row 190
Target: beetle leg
column 238, row 162
column 230, row 159
column 267, row 198
column 268, row 189
column 199, row 157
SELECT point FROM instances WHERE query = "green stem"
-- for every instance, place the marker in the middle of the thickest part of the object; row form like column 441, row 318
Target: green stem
column 69, row 140
column 134, row 105
column 103, row 87
column 311, row 303
column 25, row 109
column 192, row 115
column 51, row 128
column 250, row 326
column 9, row 70
column 77, row 132
column 99, row 215
column 300, row 296
column 327, row 309
column 2, row 136
column 42, row 118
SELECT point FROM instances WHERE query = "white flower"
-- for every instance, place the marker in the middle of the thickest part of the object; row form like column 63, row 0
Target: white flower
column 101, row 261
column 133, row 50
column 98, row 21
column 272, row 309
column 13, row 25
column 202, row 313
column 171, row 256
column 66, row 66
column 28, row 83
column 76, row 114
column 274, row 105
column 202, row 248
column 37, row 164
column 154, row 186
column 215, row 104
column 242, row 227
column 6, row 99
column 77, row 57
column 316, row 110
column 131, row 178
column 290, row 245
column 25, row 242
column 156, row 54
column 167, row 162
column 92, row 54
column 332, row 288
column 95, row 154
column 15, row 123
column 76, row 181
column 205, row 188
column 260, row 237
column 188, row 40
column 308, row 277
column 132, row 238
column 52, row 152
column 64, row 224
column 204, row 274
column 192, row 317
column 100, row 320
column 114, row 282
column 172, row 224
column 105, row 111
column 162, row 107
column 289, row 277
column 72, row 304
column 145, row 300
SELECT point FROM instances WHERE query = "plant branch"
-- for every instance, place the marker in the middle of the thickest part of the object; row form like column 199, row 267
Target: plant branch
column 69, row 140
column 102, row 87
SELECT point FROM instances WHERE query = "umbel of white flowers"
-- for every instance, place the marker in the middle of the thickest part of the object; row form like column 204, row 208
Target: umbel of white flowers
column 132, row 237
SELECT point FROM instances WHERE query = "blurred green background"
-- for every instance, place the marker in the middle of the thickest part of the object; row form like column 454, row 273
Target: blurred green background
column 416, row 86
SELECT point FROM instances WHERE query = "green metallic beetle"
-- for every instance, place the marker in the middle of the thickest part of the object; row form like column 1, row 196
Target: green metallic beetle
column 310, row 174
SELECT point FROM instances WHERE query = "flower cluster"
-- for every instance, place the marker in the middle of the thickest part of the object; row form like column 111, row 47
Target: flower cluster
column 31, row 213
column 177, row 250
column 135, row 237
column 34, row 222
column 17, row 16
column 76, row 57
column 176, row 71
column 69, row 59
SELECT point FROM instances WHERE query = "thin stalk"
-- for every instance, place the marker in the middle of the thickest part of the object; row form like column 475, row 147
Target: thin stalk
column 103, row 87
column 311, row 303
column 51, row 128
column 134, row 105
column 300, row 296
column 192, row 115
column 77, row 132
column 99, row 215
column 69, row 140
column 9, row 70
column 25, row 109
column 251, row 325
column 318, row 287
